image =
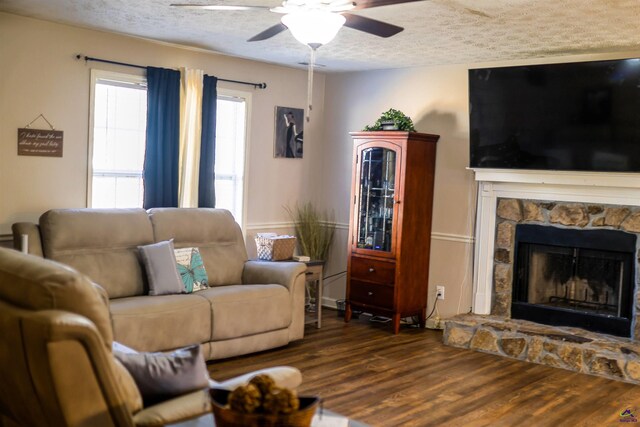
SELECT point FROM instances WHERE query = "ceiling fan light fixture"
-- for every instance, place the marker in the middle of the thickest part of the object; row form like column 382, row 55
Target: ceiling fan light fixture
column 313, row 27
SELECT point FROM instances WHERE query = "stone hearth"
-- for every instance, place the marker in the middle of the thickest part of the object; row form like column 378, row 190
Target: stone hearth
column 563, row 199
column 561, row 347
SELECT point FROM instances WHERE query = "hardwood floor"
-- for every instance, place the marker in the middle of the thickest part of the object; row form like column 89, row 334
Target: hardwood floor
column 363, row 371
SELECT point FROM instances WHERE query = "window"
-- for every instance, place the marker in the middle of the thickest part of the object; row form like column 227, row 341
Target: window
column 230, row 154
column 118, row 134
column 119, row 129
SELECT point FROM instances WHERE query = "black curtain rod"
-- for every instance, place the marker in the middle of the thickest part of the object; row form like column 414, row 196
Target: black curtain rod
column 106, row 61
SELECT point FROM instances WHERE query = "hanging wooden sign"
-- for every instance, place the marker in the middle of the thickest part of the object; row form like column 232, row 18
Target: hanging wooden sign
column 39, row 142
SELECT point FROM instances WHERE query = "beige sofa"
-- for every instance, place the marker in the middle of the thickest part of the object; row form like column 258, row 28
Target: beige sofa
column 56, row 363
column 250, row 306
column 57, row 368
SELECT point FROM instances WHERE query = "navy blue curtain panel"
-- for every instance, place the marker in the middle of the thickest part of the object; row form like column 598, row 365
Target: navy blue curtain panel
column 163, row 138
column 207, row 176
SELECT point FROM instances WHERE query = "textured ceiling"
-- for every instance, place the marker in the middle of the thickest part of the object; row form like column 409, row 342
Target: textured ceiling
column 436, row 31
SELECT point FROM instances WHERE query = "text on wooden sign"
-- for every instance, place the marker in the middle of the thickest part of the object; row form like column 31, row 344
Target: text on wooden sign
column 39, row 142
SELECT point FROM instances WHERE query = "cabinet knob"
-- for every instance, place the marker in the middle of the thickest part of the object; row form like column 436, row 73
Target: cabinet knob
column 371, row 269
column 370, row 293
column 397, row 202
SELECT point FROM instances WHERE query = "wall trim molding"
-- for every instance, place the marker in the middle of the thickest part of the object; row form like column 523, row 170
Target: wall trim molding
column 285, row 224
column 449, row 237
column 270, row 225
column 563, row 178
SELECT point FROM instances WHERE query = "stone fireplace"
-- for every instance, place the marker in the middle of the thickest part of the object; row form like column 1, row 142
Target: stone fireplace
column 556, row 271
column 587, row 253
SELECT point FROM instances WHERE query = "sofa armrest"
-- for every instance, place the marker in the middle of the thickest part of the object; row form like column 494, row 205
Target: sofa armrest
column 81, row 365
column 102, row 294
column 75, row 368
column 291, row 275
column 267, row 272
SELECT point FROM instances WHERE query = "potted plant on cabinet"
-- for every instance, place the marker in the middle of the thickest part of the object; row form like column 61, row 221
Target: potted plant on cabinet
column 392, row 120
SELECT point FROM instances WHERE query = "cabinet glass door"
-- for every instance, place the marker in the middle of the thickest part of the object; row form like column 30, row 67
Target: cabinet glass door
column 374, row 213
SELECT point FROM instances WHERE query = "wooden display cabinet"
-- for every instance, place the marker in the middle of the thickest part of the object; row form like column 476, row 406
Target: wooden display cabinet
column 390, row 224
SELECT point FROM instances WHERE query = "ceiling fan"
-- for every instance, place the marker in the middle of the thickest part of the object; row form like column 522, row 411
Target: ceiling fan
column 316, row 22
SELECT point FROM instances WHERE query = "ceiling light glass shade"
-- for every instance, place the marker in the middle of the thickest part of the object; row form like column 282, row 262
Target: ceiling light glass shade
column 313, row 27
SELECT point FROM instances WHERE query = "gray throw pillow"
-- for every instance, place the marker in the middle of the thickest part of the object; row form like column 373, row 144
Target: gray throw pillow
column 160, row 376
column 160, row 264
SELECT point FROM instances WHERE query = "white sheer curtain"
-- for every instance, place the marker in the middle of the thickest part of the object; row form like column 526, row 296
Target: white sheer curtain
column 190, row 132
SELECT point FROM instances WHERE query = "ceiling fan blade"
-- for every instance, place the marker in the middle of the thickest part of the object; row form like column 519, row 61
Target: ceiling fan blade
column 216, row 6
column 368, row 4
column 269, row 32
column 371, row 26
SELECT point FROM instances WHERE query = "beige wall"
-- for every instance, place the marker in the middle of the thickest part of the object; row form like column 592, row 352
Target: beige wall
column 436, row 99
column 39, row 74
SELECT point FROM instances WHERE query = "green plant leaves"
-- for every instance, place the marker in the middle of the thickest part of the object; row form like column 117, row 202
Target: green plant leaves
column 401, row 121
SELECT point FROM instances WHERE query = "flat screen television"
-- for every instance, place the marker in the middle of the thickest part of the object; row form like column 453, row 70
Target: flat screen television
column 577, row 116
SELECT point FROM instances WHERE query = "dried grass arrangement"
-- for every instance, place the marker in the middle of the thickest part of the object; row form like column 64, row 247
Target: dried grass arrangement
column 314, row 230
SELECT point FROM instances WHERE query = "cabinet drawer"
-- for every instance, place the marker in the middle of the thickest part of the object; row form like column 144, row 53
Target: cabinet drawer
column 373, row 270
column 371, row 294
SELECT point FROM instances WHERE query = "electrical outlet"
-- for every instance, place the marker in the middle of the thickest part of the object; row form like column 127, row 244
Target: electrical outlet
column 440, row 292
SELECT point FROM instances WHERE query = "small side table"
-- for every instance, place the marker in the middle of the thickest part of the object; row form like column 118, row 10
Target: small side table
column 314, row 275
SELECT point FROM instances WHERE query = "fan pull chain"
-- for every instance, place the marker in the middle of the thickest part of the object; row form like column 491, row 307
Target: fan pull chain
column 312, row 61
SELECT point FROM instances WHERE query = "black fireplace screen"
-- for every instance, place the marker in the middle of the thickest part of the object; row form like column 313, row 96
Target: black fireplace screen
column 574, row 277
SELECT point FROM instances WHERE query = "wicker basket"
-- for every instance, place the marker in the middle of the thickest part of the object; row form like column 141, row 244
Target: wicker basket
column 275, row 248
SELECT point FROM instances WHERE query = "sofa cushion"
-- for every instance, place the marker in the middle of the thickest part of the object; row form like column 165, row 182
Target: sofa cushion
column 101, row 243
column 241, row 310
column 160, row 265
column 160, row 323
column 213, row 231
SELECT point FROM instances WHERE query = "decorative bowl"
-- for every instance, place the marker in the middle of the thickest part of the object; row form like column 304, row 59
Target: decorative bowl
column 226, row 417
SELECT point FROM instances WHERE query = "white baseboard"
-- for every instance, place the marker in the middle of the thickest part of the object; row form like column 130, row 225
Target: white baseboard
column 434, row 323
column 329, row 302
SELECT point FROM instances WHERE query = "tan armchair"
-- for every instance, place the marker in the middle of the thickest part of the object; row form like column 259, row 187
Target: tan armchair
column 56, row 364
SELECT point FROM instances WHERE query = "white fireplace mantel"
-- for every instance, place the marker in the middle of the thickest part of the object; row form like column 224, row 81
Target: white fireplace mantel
column 562, row 186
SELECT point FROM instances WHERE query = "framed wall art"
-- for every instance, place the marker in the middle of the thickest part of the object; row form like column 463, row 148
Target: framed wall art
column 289, row 133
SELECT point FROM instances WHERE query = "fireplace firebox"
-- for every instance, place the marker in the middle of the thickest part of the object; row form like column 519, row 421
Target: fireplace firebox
column 570, row 277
